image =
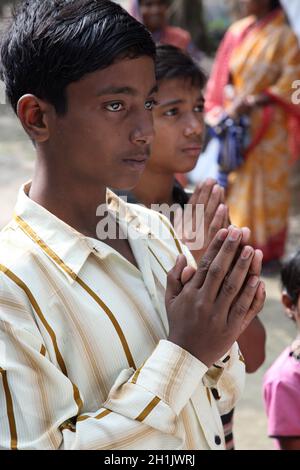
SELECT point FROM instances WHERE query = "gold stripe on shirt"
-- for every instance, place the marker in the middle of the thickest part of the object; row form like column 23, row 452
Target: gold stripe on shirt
column 28, row 231
column 148, row 409
column 103, row 414
column 174, row 374
column 112, row 318
column 71, row 311
column 33, row 235
column 48, row 328
column 36, row 307
column 241, row 358
column 99, row 416
column 153, row 254
column 137, row 373
column 189, row 435
column 43, row 350
column 172, row 233
column 132, row 302
column 77, row 398
column 131, row 438
column 38, row 383
column 67, row 426
column 10, row 412
column 208, row 395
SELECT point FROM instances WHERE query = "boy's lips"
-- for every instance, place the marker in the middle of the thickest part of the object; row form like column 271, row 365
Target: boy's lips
column 137, row 161
column 192, row 149
column 138, row 158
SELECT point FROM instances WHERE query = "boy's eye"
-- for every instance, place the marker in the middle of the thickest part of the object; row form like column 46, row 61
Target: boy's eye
column 171, row 112
column 114, row 107
column 199, row 109
column 150, row 104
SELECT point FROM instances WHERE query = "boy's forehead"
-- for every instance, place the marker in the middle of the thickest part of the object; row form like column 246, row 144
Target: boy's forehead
column 179, row 86
column 128, row 73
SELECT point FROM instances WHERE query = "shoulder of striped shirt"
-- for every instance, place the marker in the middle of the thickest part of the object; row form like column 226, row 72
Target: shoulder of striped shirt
column 13, row 245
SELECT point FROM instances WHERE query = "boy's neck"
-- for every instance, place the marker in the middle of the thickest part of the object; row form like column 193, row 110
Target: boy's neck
column 75, row 202
column 154, row 188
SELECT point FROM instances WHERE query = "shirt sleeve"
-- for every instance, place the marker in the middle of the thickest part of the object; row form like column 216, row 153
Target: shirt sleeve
column 42, row 409
column 226, row 379
column 282, row 402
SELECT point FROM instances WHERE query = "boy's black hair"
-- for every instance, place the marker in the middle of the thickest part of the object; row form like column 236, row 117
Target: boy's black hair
column 52, row 43
column 172, row 62
column 290, row 277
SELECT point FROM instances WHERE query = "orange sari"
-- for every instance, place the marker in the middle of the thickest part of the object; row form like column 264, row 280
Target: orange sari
column 261, row 57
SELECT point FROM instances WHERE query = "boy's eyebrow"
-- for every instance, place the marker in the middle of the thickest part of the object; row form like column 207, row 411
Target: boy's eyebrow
column 154, row 89
column 174, row 102
column 123, row 90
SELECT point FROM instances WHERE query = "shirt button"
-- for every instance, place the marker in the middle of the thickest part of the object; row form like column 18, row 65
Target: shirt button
column 218, row 440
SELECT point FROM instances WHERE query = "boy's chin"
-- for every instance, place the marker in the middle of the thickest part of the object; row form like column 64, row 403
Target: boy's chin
column 126, row 185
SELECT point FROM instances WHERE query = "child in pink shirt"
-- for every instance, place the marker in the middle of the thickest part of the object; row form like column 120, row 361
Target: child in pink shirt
column 282, row 380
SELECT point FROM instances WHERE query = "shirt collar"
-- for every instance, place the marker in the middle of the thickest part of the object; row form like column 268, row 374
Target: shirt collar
column 68, row 248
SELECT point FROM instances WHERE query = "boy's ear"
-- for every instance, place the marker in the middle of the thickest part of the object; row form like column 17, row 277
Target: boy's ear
column 33, row 114
column 289, row 307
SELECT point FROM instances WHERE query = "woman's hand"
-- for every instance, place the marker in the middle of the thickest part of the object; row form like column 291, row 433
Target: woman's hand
column 245, row 104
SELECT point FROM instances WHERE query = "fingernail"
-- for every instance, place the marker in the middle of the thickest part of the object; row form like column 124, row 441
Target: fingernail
column 234, row 235
column 247, row 252
column 253, row 281
column 210, row 182
column 246, row 230
column 221, row 208
column 222, row 235
column 216, row 189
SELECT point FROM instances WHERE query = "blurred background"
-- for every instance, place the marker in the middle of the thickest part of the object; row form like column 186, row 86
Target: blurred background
column 207, row 22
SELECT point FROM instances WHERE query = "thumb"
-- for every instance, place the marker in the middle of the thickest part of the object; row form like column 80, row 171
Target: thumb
column 187, row 274
column 174, row 285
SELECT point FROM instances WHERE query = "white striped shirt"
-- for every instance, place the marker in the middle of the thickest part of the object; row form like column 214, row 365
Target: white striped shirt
column 84, row 360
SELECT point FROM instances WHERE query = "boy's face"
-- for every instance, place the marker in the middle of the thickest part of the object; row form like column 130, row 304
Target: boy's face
column 179, row 127
column 105, row 135
column 153, row 14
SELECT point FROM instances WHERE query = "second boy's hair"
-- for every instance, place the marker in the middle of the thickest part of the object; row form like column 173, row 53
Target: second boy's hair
column 162, row 1
column 52, row 43
column 290, row 277
column 275, row 4
column 172, row 62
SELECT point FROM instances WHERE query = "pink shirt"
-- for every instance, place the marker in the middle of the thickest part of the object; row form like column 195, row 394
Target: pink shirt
column 282, row 396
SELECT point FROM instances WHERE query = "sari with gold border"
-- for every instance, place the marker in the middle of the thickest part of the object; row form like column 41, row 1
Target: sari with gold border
column 261, row 57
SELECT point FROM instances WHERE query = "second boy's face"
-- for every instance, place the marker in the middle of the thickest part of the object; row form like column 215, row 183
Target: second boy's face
column 179, row 127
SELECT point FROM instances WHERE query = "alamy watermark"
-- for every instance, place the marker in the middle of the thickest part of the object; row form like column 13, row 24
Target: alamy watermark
column 296, row 94
column 122, row 223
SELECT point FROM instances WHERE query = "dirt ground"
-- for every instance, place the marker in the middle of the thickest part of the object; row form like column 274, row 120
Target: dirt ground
column 16, row 166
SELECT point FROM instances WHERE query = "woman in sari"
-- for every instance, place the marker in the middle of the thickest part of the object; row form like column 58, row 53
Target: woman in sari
column 259, row 59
